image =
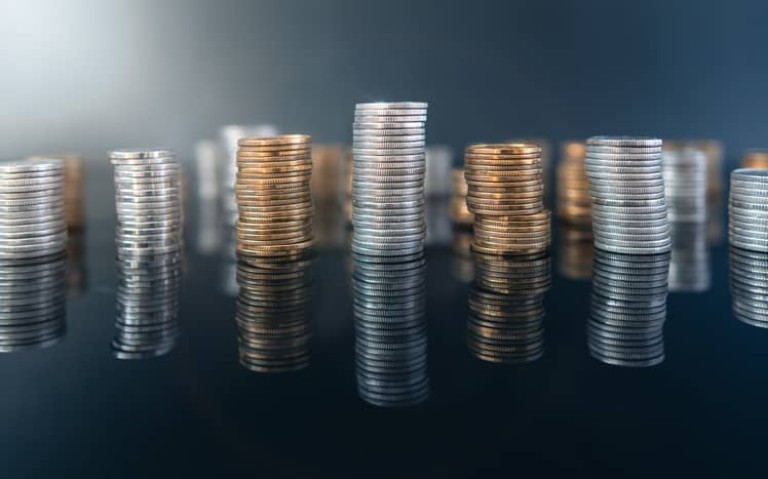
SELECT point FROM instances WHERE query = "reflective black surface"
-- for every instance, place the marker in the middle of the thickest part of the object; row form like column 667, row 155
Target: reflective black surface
column 511, row 389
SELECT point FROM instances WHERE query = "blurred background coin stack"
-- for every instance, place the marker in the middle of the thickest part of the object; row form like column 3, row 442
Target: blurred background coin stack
column 575, row 251
column 274, row 197
column 628, row 309
column 629, row 208
column 572, row 188
column 462, row 264
column 689, row 270
column 749, row 286
column 506, row 307
column 327, row 189
column 748, row 210
column 390, row 330
column 460, row 215
column 273, row 318
column 438, row 188
column 150, row 242
column 505, row 193
column 388, row 179
column 757, row 159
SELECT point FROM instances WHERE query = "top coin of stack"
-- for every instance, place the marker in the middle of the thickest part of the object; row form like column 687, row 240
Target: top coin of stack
column 388, row 178
column 573, row 204
column 748, row 210
column 32, row 220
column 629, row 209
column 273, row 196
column 505, row 192
column 755, row 159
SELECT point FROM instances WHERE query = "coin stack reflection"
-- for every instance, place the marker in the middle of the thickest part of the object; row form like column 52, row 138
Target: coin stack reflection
column 32, row 302
column 149, row 241
column 689, row 268
column 460, row 215
column 576, row 251
column 573, row 201
column 628, row 310
column 274, row 198
column 274, row 330
column 748, row 210
column 388, row 179
column 749, row 286
column 505, row 193
column 629, row 209
column 390, row 330
column 757, row 159
column 506, row 307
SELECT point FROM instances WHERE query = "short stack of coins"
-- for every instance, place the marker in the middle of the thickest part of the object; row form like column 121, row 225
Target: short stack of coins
column 748, row 210
column 506, row 307
column 572, row 189
column 749, row 286
column 274, row 198
column 390, row 330
column 628, row 309
column 388, row 196
column 505, row 193
column 685, row 183
column 273, row 320
column 757, row 159
column 629, row 208
column 460, row 215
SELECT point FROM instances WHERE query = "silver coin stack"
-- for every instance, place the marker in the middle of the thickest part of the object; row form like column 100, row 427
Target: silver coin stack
column 748, row 210
column 628, row 309
column 390, row 331
column 685, row 183
column 749, row 286
column 33, row 302
column 629, row 208
column 32, row 220
column 506, row 307
column 388, row 178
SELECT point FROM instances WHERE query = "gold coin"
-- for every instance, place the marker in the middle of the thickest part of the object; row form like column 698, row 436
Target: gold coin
column 504, row 149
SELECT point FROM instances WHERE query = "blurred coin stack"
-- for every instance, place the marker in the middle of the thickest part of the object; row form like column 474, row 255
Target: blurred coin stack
column 437, row 180
column 274, row 330
column 573, row 200
column 32, row 302
column 749, row 286
column 388, row 179
column 748, row 210
column 685, row 183
column 326, row 184
column 506, row 307
column 629, row 209
column 757, row 159
column 628, row 310
column 689, row 268
column 390, row 330
column 149, row 241
column 505, row 193
column 274, row 198
column 460, row 215
column 463, row 266
column 576, row 251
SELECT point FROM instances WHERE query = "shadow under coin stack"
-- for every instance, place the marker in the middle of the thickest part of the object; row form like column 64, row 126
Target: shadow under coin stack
column 390, row 330
column 274, row 329
column 506, row 307
column 505, row 193
column 149, row 241
column 749, row 286
column 628, row 309
column 274, row 197
column 629, row 209
column 573, row 201
column 748, row 210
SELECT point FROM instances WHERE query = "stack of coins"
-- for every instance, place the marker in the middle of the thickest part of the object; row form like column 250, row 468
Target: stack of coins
column 463, row 266
column 274, row 199
column 757, row 159
column 689, row 268
column 460, row 215
column 437, row 182
column 327, row 173
column 33, row 302
column 506, row 307
column 348, row 181
column 274, row 329
column 388, row 179
column 74, row 172
column 505, row 192
column 749, row 288
column 573, row 201
column 748, row 210
column 576, row 251
column 629, row 209
column 628, row 310
column 32, row 222
column 546, row 155
column 685, row 183
column 390, row 330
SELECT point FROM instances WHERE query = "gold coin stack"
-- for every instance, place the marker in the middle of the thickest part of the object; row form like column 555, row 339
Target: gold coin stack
column 755, row 159
column 460, row 215
column 274, row 199
column 505, row 193
column 573, row 201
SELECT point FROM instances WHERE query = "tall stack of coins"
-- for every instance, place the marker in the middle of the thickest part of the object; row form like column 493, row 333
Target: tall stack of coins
column 274, row 199
column 748, row 210
column 757, row 159
column 749, row 288
column 628, row 310
column 629, row 209
column 506, row 307
column 32, row 221
column 685, row 183
column 460, row 215
column 573, row 201
column 274, row 330
column 505, row 193
column 390, row 330
column 388, row 179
